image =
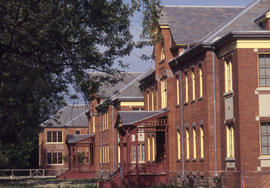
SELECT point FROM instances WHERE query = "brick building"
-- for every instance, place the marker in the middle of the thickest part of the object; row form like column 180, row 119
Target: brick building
column 67, row 124
column 206, row 105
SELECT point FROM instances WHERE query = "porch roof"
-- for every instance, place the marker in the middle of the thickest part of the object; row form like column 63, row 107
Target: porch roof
column 72, row 139
column 134, row 117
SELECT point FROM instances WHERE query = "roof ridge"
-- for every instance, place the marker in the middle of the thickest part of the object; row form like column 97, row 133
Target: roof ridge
column 232, row 20
column 203, row 6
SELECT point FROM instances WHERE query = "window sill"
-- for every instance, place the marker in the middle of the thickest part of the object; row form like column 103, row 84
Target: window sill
column 228, row 94
column 161, row 61
column 232, row 159
column 266, row 88
column 200, row 99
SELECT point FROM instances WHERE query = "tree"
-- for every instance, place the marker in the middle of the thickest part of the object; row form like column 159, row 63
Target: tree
column 47, row 45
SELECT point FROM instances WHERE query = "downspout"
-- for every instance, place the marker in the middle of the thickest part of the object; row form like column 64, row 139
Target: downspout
column 214, row 103
column 182, row 123
column 113, row 137
column 101, row 146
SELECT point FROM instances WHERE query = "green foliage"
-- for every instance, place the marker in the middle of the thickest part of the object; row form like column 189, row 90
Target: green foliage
column 48, row 46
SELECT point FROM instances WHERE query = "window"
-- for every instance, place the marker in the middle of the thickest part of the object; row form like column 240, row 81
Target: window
column 177, row 91
column 201, row 81
column 187, row 143
column 194, row 143
column 153, row 149
column 162, row 53
column 133, row 154
column 265, row 138
column 164, row 93
column 94, row 124
column 105, row 121
column 230, row 141
column 157, row 99
column 264, row 70
column 202, row 142
column 148, row 101
column 141, row 153
column 193, row 85
column 228, row 76
column 186, row 81
column 148, row 149
column 54, row 158
column 77, row 132
column 142, row 148
column 54, row 136
column 178, row 145
column 119, row 154
column 153, row 107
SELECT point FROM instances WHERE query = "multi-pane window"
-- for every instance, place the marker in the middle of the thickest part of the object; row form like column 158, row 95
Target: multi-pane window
column 201, row 81
column 178, row 145
column 202, row 142
column 265, row 138
column 141, row 153
column 194, row 143
column 264, row 70
column 77, row 132
column 187, row 144
column 230, row 141
column 164, row 93
column 133, row 153
column 54, row 136
column 54, row 158
column 193, row 84
column 228, row 76
column 177, row 92
column 104, row 154
column 186, row 81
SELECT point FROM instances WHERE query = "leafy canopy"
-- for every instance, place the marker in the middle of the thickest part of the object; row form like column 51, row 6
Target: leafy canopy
column 48, row 45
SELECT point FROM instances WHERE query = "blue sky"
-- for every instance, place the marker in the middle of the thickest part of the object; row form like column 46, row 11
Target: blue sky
column 135, row 63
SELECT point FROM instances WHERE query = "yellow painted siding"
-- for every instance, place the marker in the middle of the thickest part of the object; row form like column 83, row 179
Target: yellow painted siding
column 132, row 103
column 253, row 44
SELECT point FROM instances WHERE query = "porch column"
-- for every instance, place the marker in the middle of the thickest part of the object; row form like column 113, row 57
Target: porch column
column 137, row 152
column 71, row 156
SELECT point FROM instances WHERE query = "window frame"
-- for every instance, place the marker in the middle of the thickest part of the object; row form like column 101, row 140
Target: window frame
column 265, row 70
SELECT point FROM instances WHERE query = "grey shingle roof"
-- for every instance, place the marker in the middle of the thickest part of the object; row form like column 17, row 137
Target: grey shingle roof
column 189, row 24
column 131, row 117
column 108, row 89
column 71, row 139
column 244, row 21
column 69, row 116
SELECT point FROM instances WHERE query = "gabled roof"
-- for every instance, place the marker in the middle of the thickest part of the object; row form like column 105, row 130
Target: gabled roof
column 74, row 138
column 132, row 117
column 69, row 116
column 244, row 21
column 189, row 24
column 108, row 90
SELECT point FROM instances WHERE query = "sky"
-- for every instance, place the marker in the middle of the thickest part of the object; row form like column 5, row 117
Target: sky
column 134, row 61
